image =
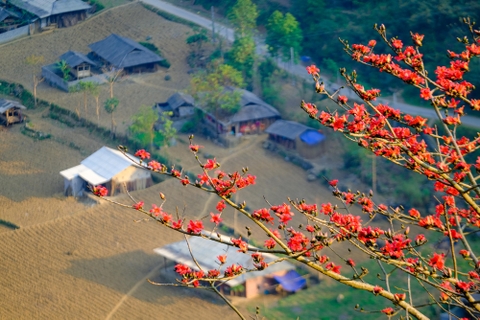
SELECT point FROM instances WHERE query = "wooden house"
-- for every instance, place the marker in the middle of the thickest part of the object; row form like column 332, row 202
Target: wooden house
column 79, row 64
column 306, row 141
column 9, row 20
column 180, row 104
column 58, row 13
column 250, row 284
column 107, row 167
column 253, row 117
column 123, row 53
column 11, row 112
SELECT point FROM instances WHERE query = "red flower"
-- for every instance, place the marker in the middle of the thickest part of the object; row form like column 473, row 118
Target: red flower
column 216, row 218
column 342, row 99
column 155, row 210
column 397, row 44
column 142, row 154
column 331, row 266
column 426, row 94
column 464, row 253
column 240, row 244
column 177, row 224
column 154, row 165
column 222, row 258
column 414, row 213
column 270, row 243
column 195, row 226
column 182, row 269
column 100, row 191
column 333, row 183
column 211, row 164
column 310, row 108
column 417, row 39
column 351, row 263
column 310, row 228
column 377, row 290
column 185, row 181
column 213, row 273
column 420, row 239
column 400, row 296
column 138, row 205
column 221, row 205
column 194, row 147
column 437, row 261
column 312, row 69
column 372, row 43
column 233, row 270
column 388, row 311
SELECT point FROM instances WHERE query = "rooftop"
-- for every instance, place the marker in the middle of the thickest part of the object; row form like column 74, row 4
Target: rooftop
column 46, row 8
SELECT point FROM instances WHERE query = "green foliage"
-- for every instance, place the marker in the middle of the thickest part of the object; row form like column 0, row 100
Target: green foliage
column 142, row 127
column 283, row 33
column 64, row 69
column 8, row 224
column 197, row 37
column 111, row 105
column 97, row 4
column 242, row 56
column 243, row 17
column 167, row 131
column 208, row 88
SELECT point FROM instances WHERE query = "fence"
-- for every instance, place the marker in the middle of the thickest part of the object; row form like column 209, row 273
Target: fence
column 14, row 34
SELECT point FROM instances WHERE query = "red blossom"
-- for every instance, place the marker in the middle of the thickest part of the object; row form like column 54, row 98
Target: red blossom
column 310, row 228
column 331, row 266
column 464, row 253
column 377, row 290
column 417, row 39
column 215, row 218
column 154, row 165
column 195, row 226
column 233, row 270
column 142, row 154
column 351, row 263
column 312, row 69
column 155, row 210
column 270, row 243
column 177, row 224
column 222, row 258
column 221, row 205
column 195, row 147
column 182, row 269
column 437, row 261
column 100, row 191
column 138, row 205
column 211, row 164
column 426, row 94
column 372, row 43
column 397, row 44
column 342, row 99
column 185, row 181
column 242, row 245
column 333, row 183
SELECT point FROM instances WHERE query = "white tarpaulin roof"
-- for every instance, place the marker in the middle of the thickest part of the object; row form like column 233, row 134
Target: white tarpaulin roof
column 99, row 167
column 206, row 251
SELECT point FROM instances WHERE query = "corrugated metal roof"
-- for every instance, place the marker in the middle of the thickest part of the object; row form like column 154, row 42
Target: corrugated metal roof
column 178, row 99
column 8, row 104
column 107, row 162
column 254, row 112
column 287, row 129
column 46, row 8
column 123, row 52
column 85, row 173
column 205, row 252
column 74, row 58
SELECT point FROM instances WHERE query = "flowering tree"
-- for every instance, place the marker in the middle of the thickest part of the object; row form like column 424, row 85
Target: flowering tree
column 438, row 152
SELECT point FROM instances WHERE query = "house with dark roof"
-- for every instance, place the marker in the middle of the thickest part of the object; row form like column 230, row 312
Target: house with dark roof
column 253, row 116
column 119, row 52
column 306, row 141
column 181, row 105
column 78, row 64
column 107, row 167
column 62, row 13
column 249, row 284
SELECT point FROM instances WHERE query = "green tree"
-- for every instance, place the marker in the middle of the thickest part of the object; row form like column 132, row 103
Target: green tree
column 64, row 69
column 167, row 132
column 242, row 57
column 142, row 127
column 87, row 87
column 243, row 17
column 208, row 88
column 283, row 33
column 110, row 106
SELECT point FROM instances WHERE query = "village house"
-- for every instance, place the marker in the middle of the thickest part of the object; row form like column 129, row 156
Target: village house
column 278, row 276
column 182, row 105
column 78, row 67
column 107, row 167
column 294, row 136
column 123, row 53
column 253, row 117
column 9, row 20
column 56, row 13
column 11, row 112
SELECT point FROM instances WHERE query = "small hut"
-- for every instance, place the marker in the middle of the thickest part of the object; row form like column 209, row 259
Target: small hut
column 106, row 167
column 79, row 64
column 180, row 104
column 11, row 112
column 248, row 285
column 253, row 117
column 124, row 53
column 298, row 137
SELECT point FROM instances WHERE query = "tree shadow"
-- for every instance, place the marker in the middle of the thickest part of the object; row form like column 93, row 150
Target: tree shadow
column 127, row 272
